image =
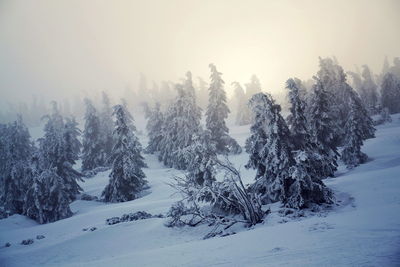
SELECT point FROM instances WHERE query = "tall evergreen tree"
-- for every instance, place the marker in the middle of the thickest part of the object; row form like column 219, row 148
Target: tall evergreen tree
column 92, row 156
column 16, row 151
column 182, row 122
column 391, row 93
column 270, row 150
column 71, row 137
column 351, row 154
column 154, row 129
column 368, row 92
column 127, row 178
column 55, row 151
column 243, row 114
column 47, row 199
column 322, row 126
column 217, row 112
column 297, row 121
column 106, row 129
column 201, row 160
column 253, row 87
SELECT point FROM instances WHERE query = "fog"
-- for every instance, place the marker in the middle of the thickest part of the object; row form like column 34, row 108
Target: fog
column 58, row 49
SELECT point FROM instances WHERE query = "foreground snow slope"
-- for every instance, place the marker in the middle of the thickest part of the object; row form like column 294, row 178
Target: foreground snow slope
column 365, row 231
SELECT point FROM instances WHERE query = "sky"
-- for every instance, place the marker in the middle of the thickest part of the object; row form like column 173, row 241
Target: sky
column 57, row 49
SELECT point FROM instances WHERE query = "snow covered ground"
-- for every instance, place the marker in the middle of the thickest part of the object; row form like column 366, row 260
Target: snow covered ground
column 363, row 231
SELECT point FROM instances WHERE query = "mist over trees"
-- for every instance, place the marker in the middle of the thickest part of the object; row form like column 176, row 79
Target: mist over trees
column 293, row 146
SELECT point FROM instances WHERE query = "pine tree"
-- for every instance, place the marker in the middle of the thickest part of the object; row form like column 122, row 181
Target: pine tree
column 182, row 122
column 106, row 129
column 16, row 151
column 126, row 178
column 217, row 112
column 355, row 127
column 47, row 199
column 368, row 91
column 253, row 87
column 92, row 142
column 154, row 129
column 71, row 137
column 243, row 114
column 297, row 121
column 202, row 93
column 274, row 154
column 57, row 152
column 322, row 128
column 201, row 158
column 391, row 93
column 305, row 188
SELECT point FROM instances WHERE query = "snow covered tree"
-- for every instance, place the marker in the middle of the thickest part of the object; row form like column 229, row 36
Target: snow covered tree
column 201, row 158
column 57, row 151
column 217, row 112
column 47, row 199
column 305, row 189
column 106, row 129
column 253, row 87
column 71, row 137
column 368, row 91
column 16, row 151
column 127, row 178
column 202, row 93
column 297, row 121
column 243, row 114
column 391, row 93
column 92, row 156
column 182, row 122
column 272, row 156
column 154, row 129
column 255, row 144
column 322, row 126
column 355, row 127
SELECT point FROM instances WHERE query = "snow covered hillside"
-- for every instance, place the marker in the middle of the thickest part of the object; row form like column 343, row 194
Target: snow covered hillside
column 364, row 230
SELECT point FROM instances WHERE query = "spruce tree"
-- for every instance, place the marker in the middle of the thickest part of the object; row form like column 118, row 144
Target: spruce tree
column 92, row 153
column 305, row 188
column 274, row 153
column 297, row 121
column 256, row 143
column 71, row 137
column 16, row 151
column 201, row 158
column 368, row 92
column 47, row 199
column 182, row 121
column 217, row 112
column 243, row 114
column 322, row 125
column 355, row 127
column 154, row 129
column 106, row 129
column 57, row 152
column 127, row 178
column 391, row 93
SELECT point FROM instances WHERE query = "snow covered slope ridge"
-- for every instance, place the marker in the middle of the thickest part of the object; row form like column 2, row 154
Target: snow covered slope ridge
column 366, row 232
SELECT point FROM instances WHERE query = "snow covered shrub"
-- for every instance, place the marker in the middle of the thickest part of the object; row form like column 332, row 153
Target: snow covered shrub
column 217, row 203
column 134, row 216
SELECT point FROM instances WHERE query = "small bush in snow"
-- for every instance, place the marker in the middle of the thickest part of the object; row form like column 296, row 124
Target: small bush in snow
column 135, row 216
column 27, row 242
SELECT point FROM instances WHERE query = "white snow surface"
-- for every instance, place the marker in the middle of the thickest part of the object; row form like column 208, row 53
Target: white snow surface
column 364, row 230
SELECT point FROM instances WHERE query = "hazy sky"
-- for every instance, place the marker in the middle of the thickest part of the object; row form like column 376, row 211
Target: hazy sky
column 60, row 47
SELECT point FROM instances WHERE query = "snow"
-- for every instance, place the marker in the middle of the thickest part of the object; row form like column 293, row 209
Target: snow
column 363, row 231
